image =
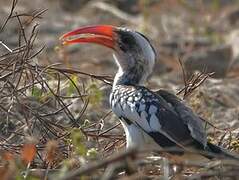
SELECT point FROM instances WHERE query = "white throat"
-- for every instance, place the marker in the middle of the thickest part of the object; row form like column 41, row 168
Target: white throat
column 135, row 73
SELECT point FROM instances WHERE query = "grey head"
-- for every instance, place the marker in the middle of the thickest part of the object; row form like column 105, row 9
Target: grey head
column 133, row 52
column 135, row 57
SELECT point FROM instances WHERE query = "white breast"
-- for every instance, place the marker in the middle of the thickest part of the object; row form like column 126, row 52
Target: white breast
column 135, row 136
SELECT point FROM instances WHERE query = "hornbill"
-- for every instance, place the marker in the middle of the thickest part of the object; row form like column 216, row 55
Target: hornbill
column 150, row 119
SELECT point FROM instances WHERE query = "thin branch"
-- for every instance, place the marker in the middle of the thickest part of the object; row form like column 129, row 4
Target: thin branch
column 94, row 166
column 14, row 3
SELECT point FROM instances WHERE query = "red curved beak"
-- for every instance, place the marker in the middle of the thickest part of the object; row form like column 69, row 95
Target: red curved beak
column 100, row 34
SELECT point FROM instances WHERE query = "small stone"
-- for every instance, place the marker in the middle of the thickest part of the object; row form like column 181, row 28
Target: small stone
column 216, row 59
column 131, row 7
column 72, row 5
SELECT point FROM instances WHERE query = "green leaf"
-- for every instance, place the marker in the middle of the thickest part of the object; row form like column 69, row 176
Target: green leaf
column 95, row 94
column 37, row 92
column 92, row 153
column 216, row 5
column 78, row 140
column 71, row 88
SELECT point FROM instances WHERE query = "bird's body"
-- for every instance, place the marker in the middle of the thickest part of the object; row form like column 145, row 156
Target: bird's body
column 143, row 112
column 150, row 119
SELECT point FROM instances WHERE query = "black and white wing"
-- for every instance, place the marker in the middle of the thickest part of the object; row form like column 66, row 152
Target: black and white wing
column 188, row 117
column 157, row 116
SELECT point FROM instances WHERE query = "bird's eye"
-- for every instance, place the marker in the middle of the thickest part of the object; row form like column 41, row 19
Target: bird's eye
column 127, row 42
column 125, row 39
column 123, row 46
column 128, row 39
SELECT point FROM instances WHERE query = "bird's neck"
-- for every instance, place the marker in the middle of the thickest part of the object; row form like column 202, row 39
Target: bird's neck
column 130, row 76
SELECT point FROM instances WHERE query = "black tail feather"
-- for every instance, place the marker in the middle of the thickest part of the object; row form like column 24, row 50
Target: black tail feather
column 221, row 152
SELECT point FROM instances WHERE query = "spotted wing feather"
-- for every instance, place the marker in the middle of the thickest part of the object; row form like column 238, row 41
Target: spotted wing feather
column 154, row 115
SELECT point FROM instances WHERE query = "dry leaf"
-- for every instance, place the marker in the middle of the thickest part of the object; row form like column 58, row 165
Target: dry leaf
column 28, row 152
column 51, row 148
